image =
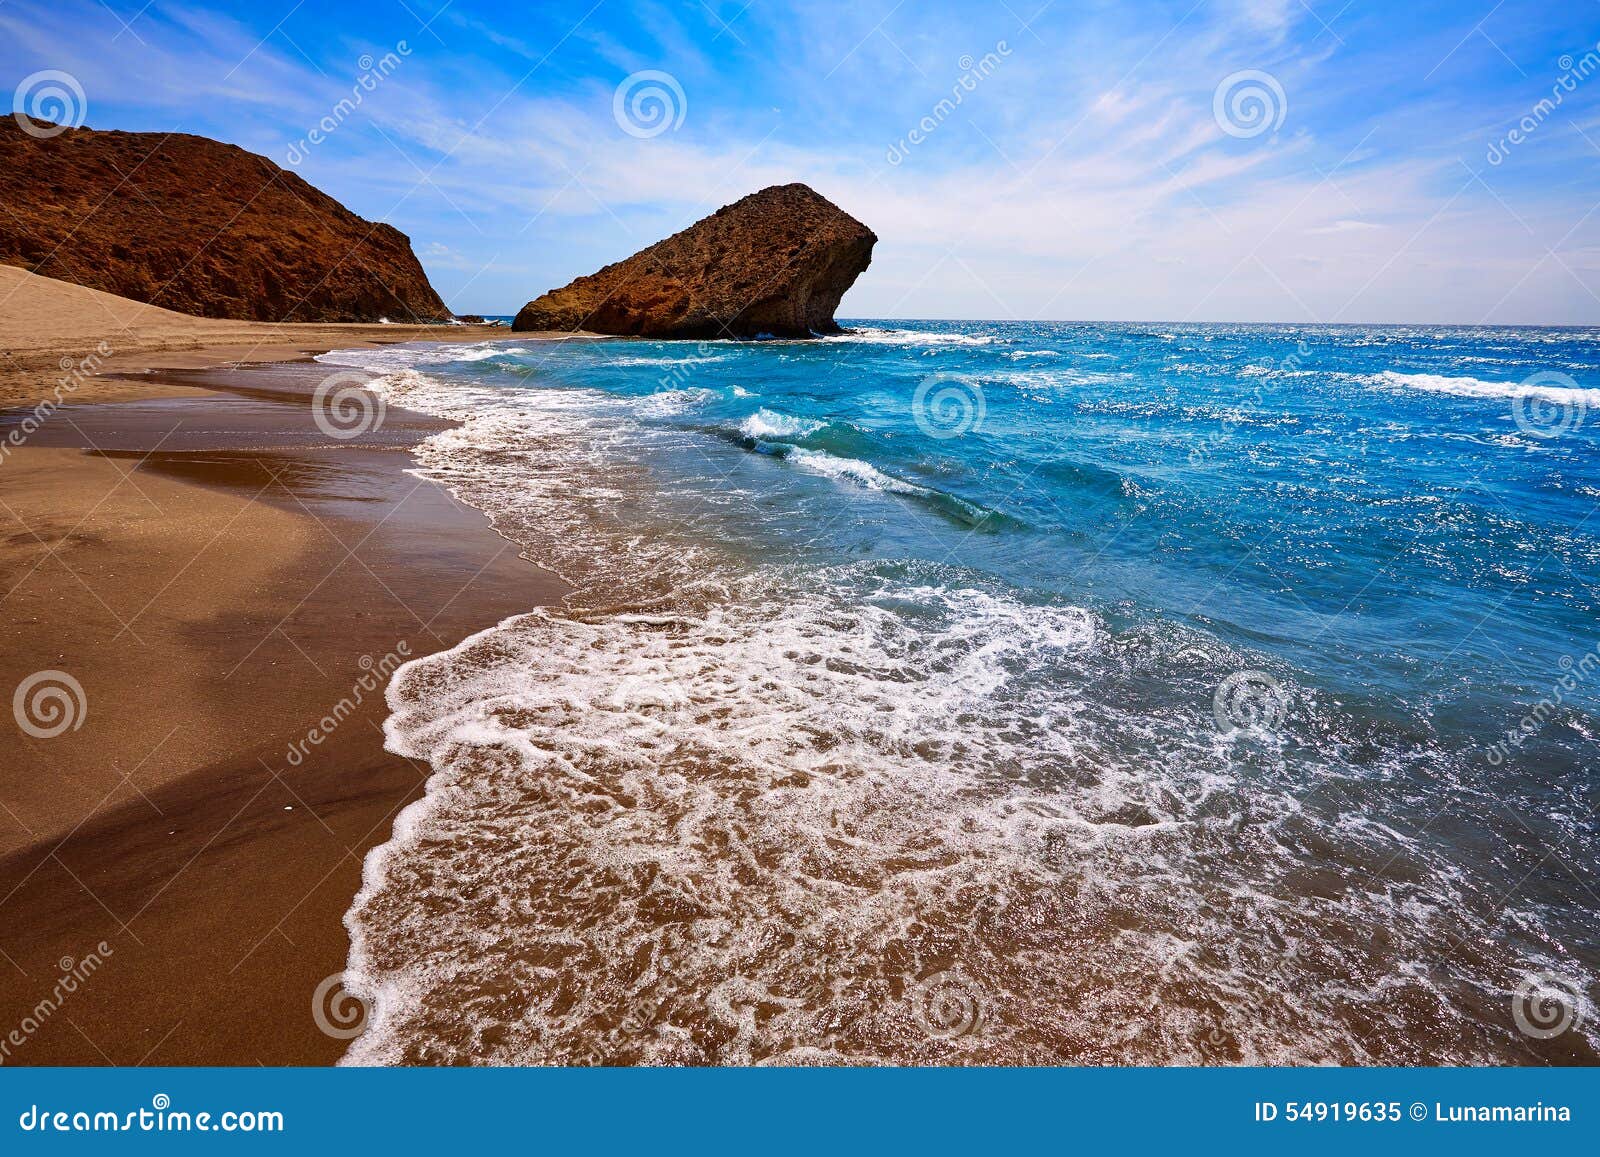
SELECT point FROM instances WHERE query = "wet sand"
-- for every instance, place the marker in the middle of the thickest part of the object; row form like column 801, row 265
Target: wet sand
column 217, row 574
column 61, row 338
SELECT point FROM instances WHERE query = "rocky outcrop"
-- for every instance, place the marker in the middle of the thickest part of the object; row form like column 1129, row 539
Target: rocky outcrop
column 776, row 262
column 201, row 227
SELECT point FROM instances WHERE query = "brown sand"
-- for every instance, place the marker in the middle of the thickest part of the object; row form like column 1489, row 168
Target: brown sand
column 212, row 572
column 48, row 327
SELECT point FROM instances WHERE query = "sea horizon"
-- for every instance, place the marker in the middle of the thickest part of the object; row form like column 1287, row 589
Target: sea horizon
column 864, row 320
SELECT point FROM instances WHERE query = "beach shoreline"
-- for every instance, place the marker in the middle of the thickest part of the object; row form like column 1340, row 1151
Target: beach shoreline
column 223, row 581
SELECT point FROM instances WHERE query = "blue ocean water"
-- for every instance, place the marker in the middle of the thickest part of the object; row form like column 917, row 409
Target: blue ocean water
column 1009, row 692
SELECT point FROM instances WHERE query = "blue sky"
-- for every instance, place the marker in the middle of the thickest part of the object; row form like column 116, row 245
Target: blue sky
column 1088, row 170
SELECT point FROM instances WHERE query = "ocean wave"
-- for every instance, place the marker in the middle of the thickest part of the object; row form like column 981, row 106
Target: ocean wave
column 767, row 424
column 821, row 462
column 404, row 357
column 909, row 337
column 677, row 401
column 1055, row 379
column 868, row 475
column 1477, row 388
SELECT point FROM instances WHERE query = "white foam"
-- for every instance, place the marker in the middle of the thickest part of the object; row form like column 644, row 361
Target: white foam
column 833, row 466
column 676, row 401
column 1477, row 388
column 908, row 337
column 756, row 828
column 767, row 424
column 402, row 357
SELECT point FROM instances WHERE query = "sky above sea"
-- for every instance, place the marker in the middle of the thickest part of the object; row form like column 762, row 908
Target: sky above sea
column 1271, row 160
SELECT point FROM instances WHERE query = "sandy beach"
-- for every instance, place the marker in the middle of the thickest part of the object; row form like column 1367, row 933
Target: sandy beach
column 221, row 579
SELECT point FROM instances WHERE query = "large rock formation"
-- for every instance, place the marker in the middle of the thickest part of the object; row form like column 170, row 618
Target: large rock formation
column 198, row 226
column 776, row 262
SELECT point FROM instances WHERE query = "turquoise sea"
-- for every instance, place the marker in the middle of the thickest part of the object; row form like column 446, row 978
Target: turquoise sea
column 985, row 692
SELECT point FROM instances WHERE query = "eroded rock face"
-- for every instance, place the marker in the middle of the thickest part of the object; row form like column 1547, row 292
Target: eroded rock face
column 198, row 226
column 776, row 262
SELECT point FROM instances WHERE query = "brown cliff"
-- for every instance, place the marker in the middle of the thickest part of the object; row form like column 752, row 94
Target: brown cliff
column 201, row 227
column 776, row 262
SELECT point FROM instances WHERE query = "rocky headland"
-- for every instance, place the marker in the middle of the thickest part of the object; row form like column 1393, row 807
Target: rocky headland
column 201, row 227
column 776, row 262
